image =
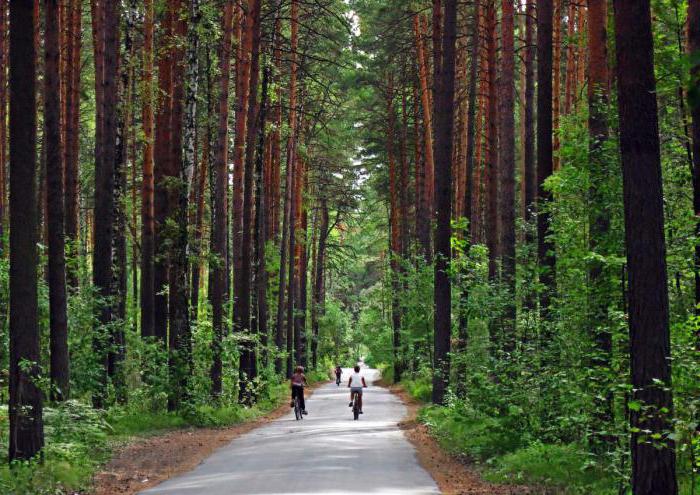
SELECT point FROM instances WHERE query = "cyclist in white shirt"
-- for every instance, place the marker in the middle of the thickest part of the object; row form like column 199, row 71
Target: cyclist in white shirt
column 356, row 384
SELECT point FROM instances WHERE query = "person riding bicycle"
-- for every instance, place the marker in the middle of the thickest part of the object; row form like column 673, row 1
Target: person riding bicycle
column 297, row 383
column 338, row 373
column 356, row 384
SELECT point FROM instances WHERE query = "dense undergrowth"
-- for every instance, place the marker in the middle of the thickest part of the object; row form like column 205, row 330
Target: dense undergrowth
column 506, row 451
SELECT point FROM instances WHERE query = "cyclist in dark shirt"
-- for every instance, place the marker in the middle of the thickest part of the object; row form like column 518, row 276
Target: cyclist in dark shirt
column 338, row 374
column 297, row 383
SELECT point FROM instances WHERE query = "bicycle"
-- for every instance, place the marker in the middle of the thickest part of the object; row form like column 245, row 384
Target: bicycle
column 298, row 413
column 356, row 405
column 337, row 380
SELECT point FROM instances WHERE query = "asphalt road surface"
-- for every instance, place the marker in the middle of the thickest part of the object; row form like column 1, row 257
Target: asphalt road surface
column 326, row 453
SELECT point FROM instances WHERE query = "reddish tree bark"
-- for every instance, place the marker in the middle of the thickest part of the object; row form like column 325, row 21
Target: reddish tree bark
column 242, row 313
column 243, row 88
column 429, row 166
column 421, row 216
column 491, row 166
column 437, row 45
column 220, row 184
column 72, row 124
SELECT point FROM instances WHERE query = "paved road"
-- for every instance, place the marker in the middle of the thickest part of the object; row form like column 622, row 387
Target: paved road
column 327, row 453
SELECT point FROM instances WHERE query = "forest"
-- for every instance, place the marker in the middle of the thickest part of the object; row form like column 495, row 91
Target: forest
column 495, row 203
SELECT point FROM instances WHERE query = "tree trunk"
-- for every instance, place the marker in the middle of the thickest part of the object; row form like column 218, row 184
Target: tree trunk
column 163, row 169
column 117, row 351
column 147, row 225
column 241, row 275
column 3, row 126
column 302, row 273
column 600, row 170
column 72, row 119
column 556, row 80
column 492, row 235
column 104, row 192
column 180, row 335
column 467, row 211
column 291, row 181
column 530, row 175
column 248, row 360
column 394, row 232
column 545, row 247
column 653, row 467
column 275, row 202
column 60, row 378
column 444, row 111
column 204, row 171
column 318, row 292
column 25, row 406
column 570, row 75
column 477, row 217
column 261, row 217
column 694, row 48
column 419, row 168
column 506, row 172
column 429, row 165
column 437, row 48
column 220, row 185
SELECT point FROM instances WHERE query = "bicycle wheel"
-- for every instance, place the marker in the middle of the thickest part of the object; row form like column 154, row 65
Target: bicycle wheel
column 297, row 410
column 355, row 408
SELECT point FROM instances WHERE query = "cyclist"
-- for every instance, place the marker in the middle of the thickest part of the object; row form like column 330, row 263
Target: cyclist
column 356, row 384
column 297, row 383
column 338, row 373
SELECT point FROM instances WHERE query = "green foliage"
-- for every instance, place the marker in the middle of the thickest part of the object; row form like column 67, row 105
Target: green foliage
column 76, row 444
column 566, row 468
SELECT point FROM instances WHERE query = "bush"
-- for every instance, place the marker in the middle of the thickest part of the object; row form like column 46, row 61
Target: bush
column 565, row 467
column 76, row 443
column 464, row 432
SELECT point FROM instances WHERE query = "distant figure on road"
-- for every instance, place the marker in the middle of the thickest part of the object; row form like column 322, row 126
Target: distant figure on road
column 356, row 384
column 338, row 374
column 297, row 383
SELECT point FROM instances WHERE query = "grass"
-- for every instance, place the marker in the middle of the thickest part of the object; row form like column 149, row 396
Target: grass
column 562, row 467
